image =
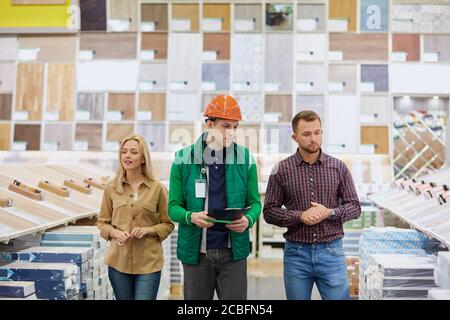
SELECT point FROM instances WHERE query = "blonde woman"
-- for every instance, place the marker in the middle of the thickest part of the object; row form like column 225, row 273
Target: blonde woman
column 133, row 216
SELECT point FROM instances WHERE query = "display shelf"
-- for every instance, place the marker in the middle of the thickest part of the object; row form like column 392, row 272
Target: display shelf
column 422, row 203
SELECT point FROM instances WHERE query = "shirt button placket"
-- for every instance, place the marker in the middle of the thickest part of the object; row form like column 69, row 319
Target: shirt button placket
column 311, row 182
column 313, row 197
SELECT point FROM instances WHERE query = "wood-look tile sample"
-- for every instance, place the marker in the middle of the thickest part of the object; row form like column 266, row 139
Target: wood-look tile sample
column 376, row 74
column 124, row 10
column 218, row 11
column 247, row 62
column 8, row 48
column 312, row 12
column 379, row 136
column 339, row 9
column 374, row 15
column 117, row 132
column 314, row 103
column 51, row 48
column 155, row 73
column 156, row 13
column 154, row 135
column 248, row 12
column 185, row 52
column 156, row 41
column 311, row 78
column 5, row 136
column 60, row 135
column 437, row 44
column 408, row 43
column 360, row 46
column 279, row 104
column 279, row 17
column 7, row 76
column 30, row 89
column 30, row 133
column 5, row 106
column 154, row 103
column 217, row 42
column 216, row 74
column 185, row 11
column 93, row 103
column 61, row 90
column 122, row 102
column 344, row 74
column 181, row 135
column 110, row 45
column 375, row 110
column 279, row 47
column 93, row 15
column 28, row 2
column 90, row 133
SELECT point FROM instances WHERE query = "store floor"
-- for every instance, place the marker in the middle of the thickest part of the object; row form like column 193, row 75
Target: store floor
column 265, row 280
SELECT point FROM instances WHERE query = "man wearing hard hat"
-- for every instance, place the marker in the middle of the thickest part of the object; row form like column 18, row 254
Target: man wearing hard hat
column 209, row 176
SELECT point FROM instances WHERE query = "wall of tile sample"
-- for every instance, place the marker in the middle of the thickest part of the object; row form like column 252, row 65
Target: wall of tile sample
column 151, row 66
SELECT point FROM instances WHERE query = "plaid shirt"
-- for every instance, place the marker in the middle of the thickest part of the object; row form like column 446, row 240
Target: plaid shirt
column 295, row 183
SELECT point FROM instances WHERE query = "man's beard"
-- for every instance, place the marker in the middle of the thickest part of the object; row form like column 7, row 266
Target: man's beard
column 306, row 149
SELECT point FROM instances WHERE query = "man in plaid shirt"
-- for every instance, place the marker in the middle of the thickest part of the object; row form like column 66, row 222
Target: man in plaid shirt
column 319, row 196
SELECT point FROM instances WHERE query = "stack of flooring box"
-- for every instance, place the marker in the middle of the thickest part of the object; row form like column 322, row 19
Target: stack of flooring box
column 176, row 269
column 353, row 276
column 392, row 276
column 45, row 276
column 85, row 237
column 82, row 247
column 390, row 241
column 82, row 257
column 17, row 290
column 164, row 285
column 353, row 230
column 442, row 272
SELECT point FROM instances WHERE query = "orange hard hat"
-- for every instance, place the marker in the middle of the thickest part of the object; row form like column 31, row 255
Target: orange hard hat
column 223, row 107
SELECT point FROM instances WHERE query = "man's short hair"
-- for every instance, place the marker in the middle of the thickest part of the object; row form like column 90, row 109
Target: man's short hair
column 306, row 115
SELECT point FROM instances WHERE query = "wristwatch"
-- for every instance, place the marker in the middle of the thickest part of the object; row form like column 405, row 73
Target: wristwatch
column 332, row 215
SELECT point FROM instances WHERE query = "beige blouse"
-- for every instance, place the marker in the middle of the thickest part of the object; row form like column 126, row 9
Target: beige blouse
column 123, row 212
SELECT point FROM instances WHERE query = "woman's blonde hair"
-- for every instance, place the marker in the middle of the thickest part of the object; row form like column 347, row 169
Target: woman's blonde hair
column 146, row 167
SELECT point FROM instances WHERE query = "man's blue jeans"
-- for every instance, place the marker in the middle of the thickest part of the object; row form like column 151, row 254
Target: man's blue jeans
column 321, row 263
column 134, row 286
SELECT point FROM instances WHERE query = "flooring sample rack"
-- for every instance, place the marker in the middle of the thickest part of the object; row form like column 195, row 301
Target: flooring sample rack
column 35, row 198
column 423, row 203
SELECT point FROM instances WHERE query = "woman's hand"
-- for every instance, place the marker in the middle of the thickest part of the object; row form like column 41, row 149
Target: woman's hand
column 121, row 236
column 139, row 233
